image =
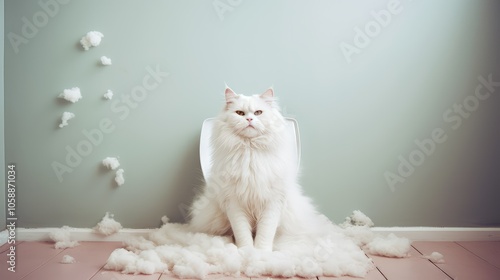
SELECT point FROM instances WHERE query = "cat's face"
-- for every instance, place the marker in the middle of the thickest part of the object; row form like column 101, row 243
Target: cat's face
column 250, row 116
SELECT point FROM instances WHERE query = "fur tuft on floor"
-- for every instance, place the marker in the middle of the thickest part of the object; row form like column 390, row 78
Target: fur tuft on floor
column 337, row 251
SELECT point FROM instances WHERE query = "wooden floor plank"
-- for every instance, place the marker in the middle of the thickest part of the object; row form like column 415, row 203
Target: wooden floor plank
column 116, row 275
column 459, row 262
column 463, row 260
column 29, row 257
column 413, row 267
column 171, row 276
column 90, row 258
column 280, row 278
column 486, row 250
column 373, row 274
column 6, row 247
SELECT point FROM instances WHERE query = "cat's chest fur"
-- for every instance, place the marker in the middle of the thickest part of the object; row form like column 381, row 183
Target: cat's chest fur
column 250, row 167
column 252, row 173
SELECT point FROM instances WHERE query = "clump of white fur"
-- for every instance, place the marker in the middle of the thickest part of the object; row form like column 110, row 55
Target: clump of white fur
column 435, row 257
column 164, row 219
column 196, row 255
column 91, row 39
column 357, row 225
column 65, row 118
column 105, row 60
column 358, row 218
column 72, row 94
column 67, row 259
column 62, row 238
column 333, row 252
column 119, row 179
column 108, row 225
column 111, row 163
column 108, row 95
column 390, row 246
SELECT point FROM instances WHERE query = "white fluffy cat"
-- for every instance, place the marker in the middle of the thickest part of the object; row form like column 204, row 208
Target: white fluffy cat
column 252, row 191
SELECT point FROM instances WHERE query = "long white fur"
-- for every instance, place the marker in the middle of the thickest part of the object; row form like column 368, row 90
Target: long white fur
column 252, row 189
column 187, row 254
column 252, row 195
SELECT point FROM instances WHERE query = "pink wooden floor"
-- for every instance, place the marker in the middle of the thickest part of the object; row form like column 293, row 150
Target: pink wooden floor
column 463, row 261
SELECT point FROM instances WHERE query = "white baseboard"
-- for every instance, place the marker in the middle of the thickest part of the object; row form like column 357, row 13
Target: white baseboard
column 79, row 234
column 412, row 233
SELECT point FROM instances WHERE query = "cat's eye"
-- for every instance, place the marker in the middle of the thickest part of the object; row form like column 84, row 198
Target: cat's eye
column 241, row 113
column 258, row 112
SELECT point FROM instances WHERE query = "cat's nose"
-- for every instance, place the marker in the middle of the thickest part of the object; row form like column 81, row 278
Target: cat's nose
column 249, row 119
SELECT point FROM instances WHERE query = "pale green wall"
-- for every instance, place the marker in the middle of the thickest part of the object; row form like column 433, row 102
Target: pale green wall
column 355, row 118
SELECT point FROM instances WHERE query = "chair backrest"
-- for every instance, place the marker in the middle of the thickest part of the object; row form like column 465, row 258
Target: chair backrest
column 206, row 149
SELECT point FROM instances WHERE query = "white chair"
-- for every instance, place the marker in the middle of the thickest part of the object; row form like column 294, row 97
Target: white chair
column 206, row 149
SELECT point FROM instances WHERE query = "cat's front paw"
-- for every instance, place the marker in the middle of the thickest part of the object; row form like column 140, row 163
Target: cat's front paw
column 244, row 243
column 246, row 248
column 264, row 247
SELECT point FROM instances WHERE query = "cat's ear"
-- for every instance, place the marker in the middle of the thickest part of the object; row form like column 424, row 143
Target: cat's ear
column 230, row 95
column 268, row 96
